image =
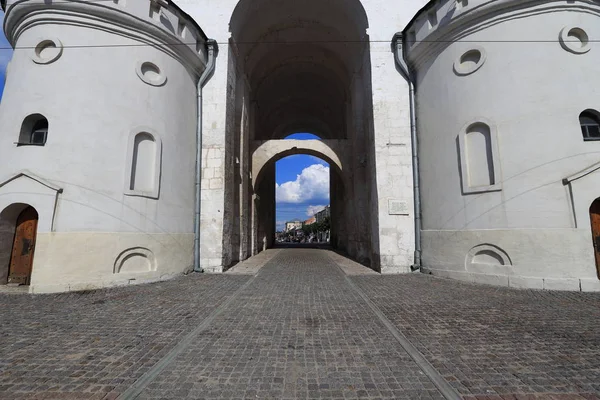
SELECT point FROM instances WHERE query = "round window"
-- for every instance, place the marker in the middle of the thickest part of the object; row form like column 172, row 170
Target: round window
column 574, row 40
column 151, row 74
column 47, row 51
column 470, row 61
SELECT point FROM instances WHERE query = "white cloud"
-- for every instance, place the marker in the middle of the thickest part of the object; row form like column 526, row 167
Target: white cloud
column 312, row 183
column 319, row 161
column 312, row 210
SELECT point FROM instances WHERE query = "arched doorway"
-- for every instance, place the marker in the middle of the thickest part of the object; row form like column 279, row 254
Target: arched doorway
column 18, row 231
column 595, row 221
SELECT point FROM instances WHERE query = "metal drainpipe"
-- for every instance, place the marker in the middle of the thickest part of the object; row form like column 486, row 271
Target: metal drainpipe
column 398, row 49
column 213, row 50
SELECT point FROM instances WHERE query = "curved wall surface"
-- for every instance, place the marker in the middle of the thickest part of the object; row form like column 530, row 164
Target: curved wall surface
column 499, row 100
column 117, row 86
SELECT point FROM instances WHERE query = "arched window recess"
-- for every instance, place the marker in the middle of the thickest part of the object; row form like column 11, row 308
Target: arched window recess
column 144, row 152
column 479, row 158
column 34, row 131
column 589, row 120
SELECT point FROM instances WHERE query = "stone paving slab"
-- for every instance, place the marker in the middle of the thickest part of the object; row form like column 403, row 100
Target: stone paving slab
column 88, row 345
column 252, row 265
column 298, row 331
column 350, row 267
column 497, row 343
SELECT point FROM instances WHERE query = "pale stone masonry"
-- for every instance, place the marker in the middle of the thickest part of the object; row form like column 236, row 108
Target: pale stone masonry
column 98, row 135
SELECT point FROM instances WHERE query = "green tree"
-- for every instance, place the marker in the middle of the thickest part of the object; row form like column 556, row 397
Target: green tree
column 326, row 224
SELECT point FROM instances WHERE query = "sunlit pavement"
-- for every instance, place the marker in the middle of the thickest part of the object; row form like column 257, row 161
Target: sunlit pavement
column 301, row 323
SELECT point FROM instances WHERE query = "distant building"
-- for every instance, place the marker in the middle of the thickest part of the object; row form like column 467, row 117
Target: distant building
column 321, row 215
column 310, row 221
column 292, row 225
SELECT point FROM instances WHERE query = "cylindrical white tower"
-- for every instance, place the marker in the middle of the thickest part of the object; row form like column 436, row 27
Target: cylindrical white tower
column 97, row 134
column 509, row 154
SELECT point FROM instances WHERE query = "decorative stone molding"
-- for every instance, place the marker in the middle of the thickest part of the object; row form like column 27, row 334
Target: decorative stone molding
column 47, row 51
column 135, row 259
column 455, row 23
column 574, row 40
column 34, row 190
column 488, row 259
column 128, row 20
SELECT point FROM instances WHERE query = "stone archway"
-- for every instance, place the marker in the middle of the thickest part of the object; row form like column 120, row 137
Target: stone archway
column 299, row 67
column 271, row 151
column 264, row 159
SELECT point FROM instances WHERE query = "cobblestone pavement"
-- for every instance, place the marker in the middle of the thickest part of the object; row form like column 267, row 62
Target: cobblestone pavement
column 297, row 331
column 300, row 328
column 87, row 345
column 497, row 343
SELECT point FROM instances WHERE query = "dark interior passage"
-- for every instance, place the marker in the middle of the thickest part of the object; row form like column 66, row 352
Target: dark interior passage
column 300, row 67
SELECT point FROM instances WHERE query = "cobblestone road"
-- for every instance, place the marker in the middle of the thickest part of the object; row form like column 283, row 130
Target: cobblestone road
column 300, row 328
column 493, row 342
column 85, row 345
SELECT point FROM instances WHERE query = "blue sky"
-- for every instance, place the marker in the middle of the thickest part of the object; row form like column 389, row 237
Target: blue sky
column 302, row 185
column 302, row 180
column 5, row 55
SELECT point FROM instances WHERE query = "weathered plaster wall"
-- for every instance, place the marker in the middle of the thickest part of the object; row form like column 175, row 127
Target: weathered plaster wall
column 532, row 113
column 90, row 124
column 507, row 232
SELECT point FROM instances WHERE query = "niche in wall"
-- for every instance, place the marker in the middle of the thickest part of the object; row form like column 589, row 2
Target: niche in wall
column 143, row 165
column 136, row 259
column 488, row 259
column 479, row 159
column 34, row 131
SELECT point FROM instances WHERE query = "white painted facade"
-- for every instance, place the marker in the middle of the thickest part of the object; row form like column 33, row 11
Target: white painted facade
column 114, row 183
column 93, row 229
column 528, row 226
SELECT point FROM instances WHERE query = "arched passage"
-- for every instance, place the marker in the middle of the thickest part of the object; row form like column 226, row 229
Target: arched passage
column 265, row 187
column 299, row 67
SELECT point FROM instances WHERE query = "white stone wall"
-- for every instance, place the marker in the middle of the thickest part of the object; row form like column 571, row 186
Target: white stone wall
column 95, row 100
column 380, row 175
column 530, row 91
column 526, row 227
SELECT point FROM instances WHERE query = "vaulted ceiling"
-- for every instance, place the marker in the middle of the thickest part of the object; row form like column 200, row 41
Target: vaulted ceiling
column 300, row 57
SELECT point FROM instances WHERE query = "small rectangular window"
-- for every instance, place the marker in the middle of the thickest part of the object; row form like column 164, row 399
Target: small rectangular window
column 594, row 131
column 38, row 137
column 590, row 132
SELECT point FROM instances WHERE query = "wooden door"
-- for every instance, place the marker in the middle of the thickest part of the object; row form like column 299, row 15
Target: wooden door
column 595, row 219
column 21, row 260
